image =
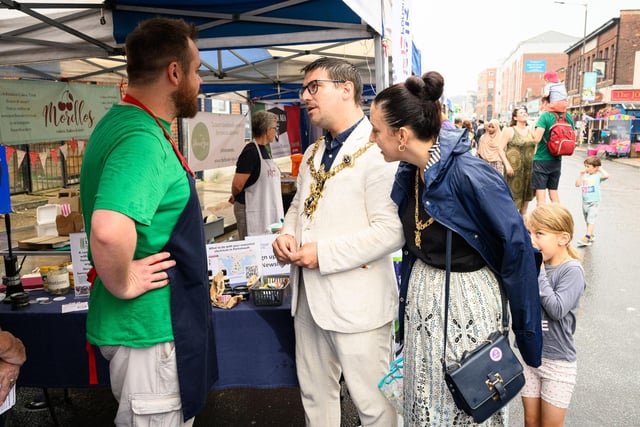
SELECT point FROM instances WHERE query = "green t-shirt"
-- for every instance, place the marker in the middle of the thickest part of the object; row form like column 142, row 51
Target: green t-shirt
column 130, row 167
column 546, row 120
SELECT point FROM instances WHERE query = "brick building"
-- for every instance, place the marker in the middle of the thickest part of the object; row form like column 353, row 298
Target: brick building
column 486, row 95
column 612, row 51
column 520, row 76
column 612, row 60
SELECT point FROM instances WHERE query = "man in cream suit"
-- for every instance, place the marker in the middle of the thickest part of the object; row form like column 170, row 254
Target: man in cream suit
column 338, row 235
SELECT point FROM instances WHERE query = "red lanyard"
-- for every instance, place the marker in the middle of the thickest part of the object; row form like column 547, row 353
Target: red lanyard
column 131, row 100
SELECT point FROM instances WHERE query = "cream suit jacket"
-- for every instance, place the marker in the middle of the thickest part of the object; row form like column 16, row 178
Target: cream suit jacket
column 356, row 227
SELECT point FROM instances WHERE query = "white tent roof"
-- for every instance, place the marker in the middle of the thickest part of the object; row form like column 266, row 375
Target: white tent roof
column 85, row 41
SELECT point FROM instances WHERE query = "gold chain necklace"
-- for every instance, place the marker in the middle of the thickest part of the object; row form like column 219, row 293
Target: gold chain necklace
column 419, row 224
column 320, row 176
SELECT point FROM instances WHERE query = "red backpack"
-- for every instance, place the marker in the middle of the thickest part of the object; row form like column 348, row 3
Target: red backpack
column 562, row 138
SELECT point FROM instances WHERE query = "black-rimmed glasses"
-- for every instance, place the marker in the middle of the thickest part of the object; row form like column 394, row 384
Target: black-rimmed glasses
column 312, row 86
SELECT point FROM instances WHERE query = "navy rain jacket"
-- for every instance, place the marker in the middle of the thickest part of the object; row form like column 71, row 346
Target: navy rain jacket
column 471, row 198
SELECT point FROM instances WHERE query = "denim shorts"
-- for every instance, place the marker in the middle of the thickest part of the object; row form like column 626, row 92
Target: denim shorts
column 546, row 174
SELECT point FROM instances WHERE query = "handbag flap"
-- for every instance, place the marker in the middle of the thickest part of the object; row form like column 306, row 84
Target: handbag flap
column 489, row 363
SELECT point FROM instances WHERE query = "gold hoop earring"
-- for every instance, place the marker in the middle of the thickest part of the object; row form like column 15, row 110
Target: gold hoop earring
column 402, row 147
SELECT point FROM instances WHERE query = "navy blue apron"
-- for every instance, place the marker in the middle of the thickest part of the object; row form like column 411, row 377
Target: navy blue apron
column 191, row 308
column 191, row 316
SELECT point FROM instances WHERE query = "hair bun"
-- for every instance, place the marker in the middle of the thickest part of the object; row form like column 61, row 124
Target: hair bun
column 433, row 85
column 415, row 85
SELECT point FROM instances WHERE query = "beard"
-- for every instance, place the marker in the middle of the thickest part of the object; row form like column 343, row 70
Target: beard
column 185, row 101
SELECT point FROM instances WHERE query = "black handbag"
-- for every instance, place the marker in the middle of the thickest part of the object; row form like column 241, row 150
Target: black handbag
column 487, row 378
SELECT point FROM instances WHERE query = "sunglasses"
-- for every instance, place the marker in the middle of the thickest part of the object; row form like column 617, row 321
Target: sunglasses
column 312, row 86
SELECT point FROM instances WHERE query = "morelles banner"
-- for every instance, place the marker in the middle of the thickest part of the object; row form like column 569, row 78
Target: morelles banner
column 34, row 111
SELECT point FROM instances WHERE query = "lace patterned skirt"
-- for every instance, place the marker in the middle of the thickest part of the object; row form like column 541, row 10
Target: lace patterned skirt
column 474, row 312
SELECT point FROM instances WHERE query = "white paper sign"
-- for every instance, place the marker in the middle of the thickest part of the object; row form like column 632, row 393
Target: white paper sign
column 240, row 258
column 270, row 265
column 75, row 306
column 214, row 140
column 81, row 264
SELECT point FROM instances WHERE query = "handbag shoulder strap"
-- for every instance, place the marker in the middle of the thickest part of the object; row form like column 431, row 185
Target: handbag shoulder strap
column 447, row 281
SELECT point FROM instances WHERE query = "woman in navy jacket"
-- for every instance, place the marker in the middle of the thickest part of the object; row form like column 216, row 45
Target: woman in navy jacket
column 440, row 185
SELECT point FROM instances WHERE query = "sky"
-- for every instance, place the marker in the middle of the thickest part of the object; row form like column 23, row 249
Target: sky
column 461, row 38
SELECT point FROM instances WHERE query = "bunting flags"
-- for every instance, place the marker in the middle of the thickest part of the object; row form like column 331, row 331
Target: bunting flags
column 74, row 145
column 43, row 158
column 36, row 157
column 9, row 150
column 20, row 156
column 54, row 155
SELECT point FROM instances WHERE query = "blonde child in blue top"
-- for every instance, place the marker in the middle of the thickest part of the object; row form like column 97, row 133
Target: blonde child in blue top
column 548, row 389
column 589, row 179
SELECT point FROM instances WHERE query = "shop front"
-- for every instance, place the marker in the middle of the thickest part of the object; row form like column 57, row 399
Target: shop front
column 628, row 102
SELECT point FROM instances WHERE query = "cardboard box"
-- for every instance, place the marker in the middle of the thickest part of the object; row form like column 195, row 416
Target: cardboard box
column 72, row 197
column 73, row 223
column 635, row 150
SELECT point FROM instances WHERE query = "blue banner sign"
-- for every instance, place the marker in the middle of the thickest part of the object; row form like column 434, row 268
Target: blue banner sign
column 535, row 66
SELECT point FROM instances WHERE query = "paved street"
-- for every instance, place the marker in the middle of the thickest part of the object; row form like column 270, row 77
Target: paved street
column 608, row 333
column 608, row 330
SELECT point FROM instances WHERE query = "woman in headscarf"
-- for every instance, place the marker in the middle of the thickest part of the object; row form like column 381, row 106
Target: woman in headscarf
column 491, row 147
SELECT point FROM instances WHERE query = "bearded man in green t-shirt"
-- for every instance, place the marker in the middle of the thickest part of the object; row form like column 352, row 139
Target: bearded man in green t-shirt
column 149, row 309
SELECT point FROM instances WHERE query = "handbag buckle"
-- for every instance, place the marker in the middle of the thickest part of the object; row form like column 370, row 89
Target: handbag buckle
column 497, row 381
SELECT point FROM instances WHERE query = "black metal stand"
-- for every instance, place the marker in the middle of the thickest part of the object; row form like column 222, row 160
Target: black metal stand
column 11, row 279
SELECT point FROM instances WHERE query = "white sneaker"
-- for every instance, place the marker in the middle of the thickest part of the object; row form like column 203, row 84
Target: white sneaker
column 585, row 241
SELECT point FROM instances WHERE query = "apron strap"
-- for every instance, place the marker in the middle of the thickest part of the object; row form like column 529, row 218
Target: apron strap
column 131, row 100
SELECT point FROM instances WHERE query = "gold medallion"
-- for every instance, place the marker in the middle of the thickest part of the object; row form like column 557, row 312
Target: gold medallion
column 320, row 177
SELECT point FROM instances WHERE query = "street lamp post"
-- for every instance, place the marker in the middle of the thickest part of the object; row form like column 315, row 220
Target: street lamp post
column 582, row 54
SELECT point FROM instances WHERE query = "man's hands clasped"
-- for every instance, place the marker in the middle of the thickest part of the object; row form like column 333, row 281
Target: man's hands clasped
column 286, row 250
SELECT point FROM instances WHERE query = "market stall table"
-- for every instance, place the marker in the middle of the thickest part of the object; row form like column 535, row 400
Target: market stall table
column 255, row 345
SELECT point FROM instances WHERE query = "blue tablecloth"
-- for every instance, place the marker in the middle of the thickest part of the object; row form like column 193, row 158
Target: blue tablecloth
column 255, row 345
